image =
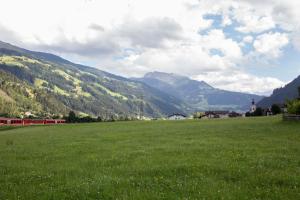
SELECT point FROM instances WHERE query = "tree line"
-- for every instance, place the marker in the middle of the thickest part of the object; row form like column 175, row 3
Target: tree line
column 73, row 118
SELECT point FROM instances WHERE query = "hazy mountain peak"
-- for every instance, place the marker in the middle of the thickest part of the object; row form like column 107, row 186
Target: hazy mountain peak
column 4, row 45
column 198, row 94
column 176, row 80
column 164, row 76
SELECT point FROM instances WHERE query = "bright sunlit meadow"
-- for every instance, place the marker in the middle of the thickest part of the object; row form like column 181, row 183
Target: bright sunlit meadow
column 253, row 158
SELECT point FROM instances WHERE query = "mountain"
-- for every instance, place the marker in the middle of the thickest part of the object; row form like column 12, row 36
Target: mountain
column 198, row 94
column 46, row 85
column 280, row 95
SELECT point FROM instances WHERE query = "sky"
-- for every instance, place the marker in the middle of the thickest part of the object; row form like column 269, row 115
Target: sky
column 248, row 46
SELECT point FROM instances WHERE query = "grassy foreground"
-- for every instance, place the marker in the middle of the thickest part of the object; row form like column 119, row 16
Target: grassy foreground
column 257, row 158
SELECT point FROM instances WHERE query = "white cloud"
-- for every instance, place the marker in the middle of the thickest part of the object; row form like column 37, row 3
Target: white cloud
column 241, row 82
column 151, row 32
column 226, row 21
column 183, row 59
column 254, row 24
column 132, row 37
column 187, row 57
column 296, row 40
column 271, row 44
column 100, row 41
column 248, row 39
column 7, row 35
column 285, row 14
column 216, row 39
column 254, row 16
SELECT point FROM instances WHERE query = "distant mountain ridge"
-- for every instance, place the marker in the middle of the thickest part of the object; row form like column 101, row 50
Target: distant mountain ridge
column 45, row 83
column 280, row 95
column 198, row 94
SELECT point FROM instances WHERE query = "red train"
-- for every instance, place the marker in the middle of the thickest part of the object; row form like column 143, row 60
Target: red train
column 27, row 122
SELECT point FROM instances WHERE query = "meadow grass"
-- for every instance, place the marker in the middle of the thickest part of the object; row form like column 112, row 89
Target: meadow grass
column 253, row 158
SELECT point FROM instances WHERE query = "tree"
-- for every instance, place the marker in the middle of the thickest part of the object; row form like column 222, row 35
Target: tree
column 99, row 119
column 275, row 109
column 87, row 119
column 293, row 107
column 198, row 115
column 258, row 112
column 72, row 117
column 248, row 114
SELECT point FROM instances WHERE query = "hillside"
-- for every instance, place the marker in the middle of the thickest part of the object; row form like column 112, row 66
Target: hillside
column 48, row 85
column 280, row 95
column 198, row 94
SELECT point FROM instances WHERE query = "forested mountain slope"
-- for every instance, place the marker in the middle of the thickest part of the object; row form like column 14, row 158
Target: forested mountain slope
column 47, row 85
column 281, row 95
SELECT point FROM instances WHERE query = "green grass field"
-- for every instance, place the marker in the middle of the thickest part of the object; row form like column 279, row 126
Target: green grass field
column 257, row 158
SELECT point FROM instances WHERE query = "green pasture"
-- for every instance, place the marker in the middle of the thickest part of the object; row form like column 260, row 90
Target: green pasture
column 253, row 158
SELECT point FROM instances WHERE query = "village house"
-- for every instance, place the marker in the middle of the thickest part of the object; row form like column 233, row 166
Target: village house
column 217, row 114
column 177, row 116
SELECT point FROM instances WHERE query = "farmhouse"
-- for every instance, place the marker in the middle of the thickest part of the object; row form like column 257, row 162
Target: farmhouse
column 217, row 114
column 176, row 116
column 283, row 107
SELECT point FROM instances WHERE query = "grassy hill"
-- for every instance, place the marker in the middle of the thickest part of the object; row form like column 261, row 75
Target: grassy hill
column 56, row 86
column 18, row 96
column 247, row 158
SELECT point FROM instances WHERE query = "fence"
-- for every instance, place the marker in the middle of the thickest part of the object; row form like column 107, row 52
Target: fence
column 291, row 117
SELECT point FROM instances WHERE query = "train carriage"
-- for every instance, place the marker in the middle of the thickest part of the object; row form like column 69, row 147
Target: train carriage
column 27, row 122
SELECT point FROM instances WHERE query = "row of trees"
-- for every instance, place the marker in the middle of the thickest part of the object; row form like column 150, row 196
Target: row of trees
column 73, row 118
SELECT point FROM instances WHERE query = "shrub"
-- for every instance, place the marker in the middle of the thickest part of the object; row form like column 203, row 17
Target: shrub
column 198, row 115
column 258, row 112
column 275, row 109
column 293, row 107
column 72, row 117
column 248, row 114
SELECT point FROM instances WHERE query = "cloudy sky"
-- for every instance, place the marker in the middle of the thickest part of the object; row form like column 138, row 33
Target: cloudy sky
column 247, row 45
